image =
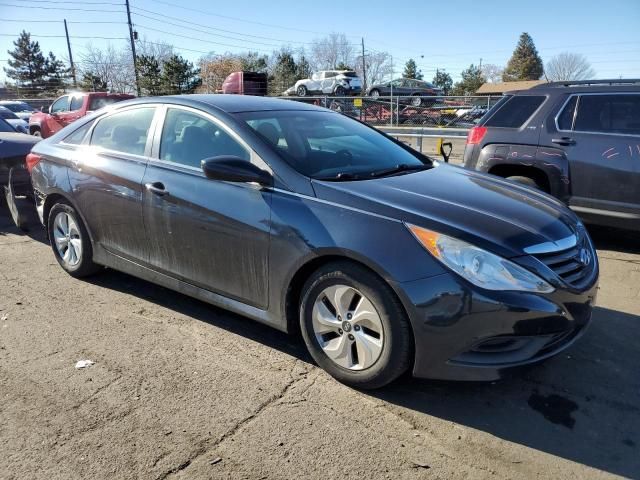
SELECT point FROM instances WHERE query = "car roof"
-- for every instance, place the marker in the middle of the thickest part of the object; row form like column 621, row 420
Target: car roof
column 230, row 103
column 584, row 86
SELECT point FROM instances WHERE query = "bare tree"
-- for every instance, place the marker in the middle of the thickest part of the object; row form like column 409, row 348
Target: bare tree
column 114, row 67
column 493, row 73
column 161, row 51
column 569, row 66
column 331, row 51
column 378, row 67
column 215, row 68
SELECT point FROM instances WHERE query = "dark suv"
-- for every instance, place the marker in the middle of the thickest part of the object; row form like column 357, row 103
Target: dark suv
column 578, row 141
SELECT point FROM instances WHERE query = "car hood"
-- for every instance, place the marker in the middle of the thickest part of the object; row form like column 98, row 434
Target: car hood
column 487, row 211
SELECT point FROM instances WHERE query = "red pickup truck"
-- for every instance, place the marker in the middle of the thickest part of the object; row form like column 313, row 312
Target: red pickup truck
column 68, row 108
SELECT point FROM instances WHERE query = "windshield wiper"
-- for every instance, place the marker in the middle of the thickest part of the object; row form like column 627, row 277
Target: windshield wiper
column 402, row 167
column 340, row 177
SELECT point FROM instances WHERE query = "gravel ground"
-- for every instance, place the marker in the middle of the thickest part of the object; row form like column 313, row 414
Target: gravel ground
column 182, row 389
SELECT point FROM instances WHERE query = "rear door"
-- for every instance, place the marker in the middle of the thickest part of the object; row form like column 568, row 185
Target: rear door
column 209, row 233
column 600, row 135
column 107, row 180
column 328, row 82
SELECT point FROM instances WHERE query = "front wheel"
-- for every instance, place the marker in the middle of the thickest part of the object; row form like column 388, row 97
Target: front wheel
column 301, row 91
column 354, row 326
column 528, row 181
column 375, row 93
column 70, row 241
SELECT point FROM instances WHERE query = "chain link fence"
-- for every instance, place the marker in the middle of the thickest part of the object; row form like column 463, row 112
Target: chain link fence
column 451, row 112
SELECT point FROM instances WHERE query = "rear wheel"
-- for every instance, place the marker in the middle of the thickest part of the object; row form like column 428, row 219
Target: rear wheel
column 354, row 326
column 528, row 181
column 36, row 132
column 340, row 91
column 375, row 93
column 416, row 101
column 70, row 241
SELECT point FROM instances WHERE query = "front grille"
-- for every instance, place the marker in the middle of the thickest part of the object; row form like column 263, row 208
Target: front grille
column 574, row 265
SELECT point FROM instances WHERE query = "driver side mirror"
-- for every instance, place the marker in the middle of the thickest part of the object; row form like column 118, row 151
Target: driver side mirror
column 229, row 168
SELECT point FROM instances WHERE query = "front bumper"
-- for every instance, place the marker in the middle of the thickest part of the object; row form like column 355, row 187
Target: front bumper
column 463, row 332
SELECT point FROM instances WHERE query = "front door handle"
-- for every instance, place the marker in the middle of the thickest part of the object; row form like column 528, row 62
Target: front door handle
column 564, row 141
column 156, row 188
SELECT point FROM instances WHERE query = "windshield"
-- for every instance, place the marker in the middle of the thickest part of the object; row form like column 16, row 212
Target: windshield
column 330, row 146
column 5, row 127
column 17, row 107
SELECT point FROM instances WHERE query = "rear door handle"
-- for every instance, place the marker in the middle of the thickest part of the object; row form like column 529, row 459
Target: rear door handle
column 564, row 141
column 156, row 188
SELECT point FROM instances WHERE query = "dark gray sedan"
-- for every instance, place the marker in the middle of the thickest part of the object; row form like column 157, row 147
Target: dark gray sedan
column 301, row 218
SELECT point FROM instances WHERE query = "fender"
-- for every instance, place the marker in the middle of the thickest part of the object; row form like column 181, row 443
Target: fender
column 552, row 162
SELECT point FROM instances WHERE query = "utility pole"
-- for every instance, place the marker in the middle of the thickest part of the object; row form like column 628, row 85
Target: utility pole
column 133, row 47
column 480, row 67
column 73, row 68
column 364, row 69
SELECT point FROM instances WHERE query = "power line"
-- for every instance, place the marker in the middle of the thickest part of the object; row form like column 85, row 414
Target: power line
column 182, row 7
column 72, row 2
column 59, row 8
column 55, row 21
column 62, row 36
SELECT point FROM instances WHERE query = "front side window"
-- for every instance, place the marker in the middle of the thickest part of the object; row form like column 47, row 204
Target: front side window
column 5, row 127
column 7, row 114
column 188, row 138
column 125, row 131
column 515, row 112
column 330, row 146
column 60, row 105
column 609, row 114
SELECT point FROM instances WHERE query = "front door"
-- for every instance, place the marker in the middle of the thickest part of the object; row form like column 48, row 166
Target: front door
column 209, row 233
column 600, row 134
column 58, row 109
column 106, row 178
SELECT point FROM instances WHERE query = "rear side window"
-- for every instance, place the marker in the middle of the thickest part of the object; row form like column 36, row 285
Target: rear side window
column 76, row 103
column 515, row 111
column 77, row 137
column 565, row 119
column 609, row 114
column 124, row 132
column 96, row 103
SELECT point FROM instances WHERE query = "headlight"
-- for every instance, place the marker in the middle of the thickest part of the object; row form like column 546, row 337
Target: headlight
column 478, row 266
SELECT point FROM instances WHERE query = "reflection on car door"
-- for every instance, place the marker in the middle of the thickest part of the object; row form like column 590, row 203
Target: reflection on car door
column 602, row 144
column 74, row 113
column 106, row 178
column 209, row 233
column 328, row 82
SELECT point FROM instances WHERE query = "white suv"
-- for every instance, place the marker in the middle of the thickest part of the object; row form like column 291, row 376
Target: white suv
column 329, row 82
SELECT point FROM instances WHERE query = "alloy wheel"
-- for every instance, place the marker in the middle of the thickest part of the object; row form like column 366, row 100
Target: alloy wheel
column 68, row 241
column 347, row 327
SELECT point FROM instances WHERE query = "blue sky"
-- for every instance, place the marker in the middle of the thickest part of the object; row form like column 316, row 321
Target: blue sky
column 445, row 35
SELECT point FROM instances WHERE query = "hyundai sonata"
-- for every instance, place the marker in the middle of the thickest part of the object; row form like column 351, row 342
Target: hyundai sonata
column 301, row 218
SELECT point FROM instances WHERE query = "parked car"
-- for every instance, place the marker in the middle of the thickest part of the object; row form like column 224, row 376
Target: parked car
column 300, row 217
column 411, row 88
column 22, row 109
column 579, row 141
column 69, row 108
column 245, row 83
column 329, row 82
column 12, row 119
column 15, row 184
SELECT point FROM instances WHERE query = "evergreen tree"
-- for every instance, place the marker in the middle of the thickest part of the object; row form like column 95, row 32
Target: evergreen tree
column 525, row 63
column 303, row 68
column 91, row 82
column 472, row 79
column 179, row 76
column 149, row 75
column 253, row 62
column 284, row 73
column 343, row 66
column 28, row 66
column 443, row 80
column 411, row 70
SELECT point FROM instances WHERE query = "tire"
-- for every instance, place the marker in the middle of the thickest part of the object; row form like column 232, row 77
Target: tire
column 79, row 260
column 416, row 101
column 529, row 182
column 371, row 347
column 301, row 91
column 375, row 93
column 339, row 91
column 36, row 132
